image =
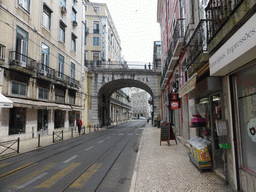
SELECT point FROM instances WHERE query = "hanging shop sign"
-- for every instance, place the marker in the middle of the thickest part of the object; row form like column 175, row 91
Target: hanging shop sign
column 188, row 86
column 237, row 51
column 175, row 104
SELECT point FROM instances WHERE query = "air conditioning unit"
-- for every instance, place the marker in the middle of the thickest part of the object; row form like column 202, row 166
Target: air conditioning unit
column 75, row 23
column 63, row 9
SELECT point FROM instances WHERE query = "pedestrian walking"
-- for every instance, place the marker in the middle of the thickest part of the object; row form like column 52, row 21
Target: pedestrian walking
column 79, row 124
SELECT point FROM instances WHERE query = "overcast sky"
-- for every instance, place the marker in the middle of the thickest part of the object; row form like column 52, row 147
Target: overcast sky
column 137, row 26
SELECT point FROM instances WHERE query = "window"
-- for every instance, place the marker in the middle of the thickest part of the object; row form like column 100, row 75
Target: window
column 86, row 8
column 43, row 93
column 96, row 26
column 2, row 52
column 85, row 59
column 74, row 14
column 85, row 39
column 25, row 4
column 21, row 46
column 96, row 41
column 62, row 31
column 59, row 95
column 73, row 42
column 45, row 58
column 63, row 3
column 72, row 96
column 96, row 9
column 47, row 17
column 73, row 70
column 19, row 88
column 61, row 67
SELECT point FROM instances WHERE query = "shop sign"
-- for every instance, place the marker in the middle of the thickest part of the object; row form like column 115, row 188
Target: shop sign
column 251, row 129
column 188, row 86
column 175, row 104
column 236, row 52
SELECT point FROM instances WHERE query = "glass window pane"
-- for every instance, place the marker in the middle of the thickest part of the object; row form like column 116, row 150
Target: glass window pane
column 15, row 88
column 22, row 89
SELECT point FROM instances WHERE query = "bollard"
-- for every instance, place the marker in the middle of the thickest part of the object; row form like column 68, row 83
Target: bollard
column 38, row 145
column 53, row 136
column 72, row 133
column 84, row 130
column 97, row 127
column 62, row 135
column 94, row 127
column 18, row 145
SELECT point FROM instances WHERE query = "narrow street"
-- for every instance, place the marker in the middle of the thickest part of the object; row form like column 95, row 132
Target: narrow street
column 101, row 161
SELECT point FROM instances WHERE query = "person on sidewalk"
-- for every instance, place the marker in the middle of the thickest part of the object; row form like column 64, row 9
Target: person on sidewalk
column 79, row 124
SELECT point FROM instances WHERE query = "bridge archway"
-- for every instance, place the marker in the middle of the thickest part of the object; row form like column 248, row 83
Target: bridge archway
column 106, row 81
column 108, row 89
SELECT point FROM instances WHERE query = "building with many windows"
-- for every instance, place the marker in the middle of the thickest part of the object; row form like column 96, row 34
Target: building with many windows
column 41, row 65
column 102, row 43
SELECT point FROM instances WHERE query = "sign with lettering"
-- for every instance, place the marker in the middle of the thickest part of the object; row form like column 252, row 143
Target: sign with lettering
column 175, row 104
column 236, row 52
column 188, row 86
column 167, row 133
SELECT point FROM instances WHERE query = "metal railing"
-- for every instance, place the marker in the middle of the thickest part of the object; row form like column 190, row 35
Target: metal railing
column 197, row 43
column 105, row 64
column 217, row 13
column 45, row 71
column 8, row 146
column 62, row 77
column 74, row 83
column 21, row 60
column 119, row 102
column 57, row 136
column 179, row 31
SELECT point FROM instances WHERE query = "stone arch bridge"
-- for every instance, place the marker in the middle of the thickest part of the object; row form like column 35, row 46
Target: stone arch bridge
column 106, row 81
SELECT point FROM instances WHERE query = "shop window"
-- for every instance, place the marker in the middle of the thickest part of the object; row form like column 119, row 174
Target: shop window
column 42, row 120
column 60, row 95
column 71, row 116
column 17, row 120
column 246, row 94
column 19, row 88
column 59, row 118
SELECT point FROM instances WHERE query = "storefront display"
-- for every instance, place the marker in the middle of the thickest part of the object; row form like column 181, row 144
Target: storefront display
column 246, row 95
column 17, row 121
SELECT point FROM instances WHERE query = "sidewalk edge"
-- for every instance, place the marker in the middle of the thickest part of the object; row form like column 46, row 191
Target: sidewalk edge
column 134, row 176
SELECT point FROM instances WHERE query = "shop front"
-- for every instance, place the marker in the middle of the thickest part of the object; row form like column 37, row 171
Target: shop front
column 235, row 62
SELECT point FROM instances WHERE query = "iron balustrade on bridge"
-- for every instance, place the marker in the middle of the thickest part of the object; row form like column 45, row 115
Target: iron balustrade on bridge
column 8, row 145
column 21, row 60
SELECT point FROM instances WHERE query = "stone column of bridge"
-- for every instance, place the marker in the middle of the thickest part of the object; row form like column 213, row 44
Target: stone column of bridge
column 105, row 81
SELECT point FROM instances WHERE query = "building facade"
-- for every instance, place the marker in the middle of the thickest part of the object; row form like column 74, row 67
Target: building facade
column 41, row 66
column 214, row 80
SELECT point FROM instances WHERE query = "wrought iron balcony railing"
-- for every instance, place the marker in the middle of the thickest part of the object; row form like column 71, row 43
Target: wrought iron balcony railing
column 119, row 102
column 21, row 60
column 74, row 83
column 217, row 13
column 179, row 31
column 197, row 43
column 45, row 71
column 62, row 77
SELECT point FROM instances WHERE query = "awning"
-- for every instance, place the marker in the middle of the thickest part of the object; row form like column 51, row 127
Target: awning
column 76, row 108
column 188, row 86
column 17, row 102
column 64, row 107
column 5, row 102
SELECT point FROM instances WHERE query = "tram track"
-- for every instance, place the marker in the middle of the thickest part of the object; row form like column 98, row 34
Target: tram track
column 74, row 143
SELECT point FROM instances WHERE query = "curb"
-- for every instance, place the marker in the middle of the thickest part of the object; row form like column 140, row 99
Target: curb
column 134, row 176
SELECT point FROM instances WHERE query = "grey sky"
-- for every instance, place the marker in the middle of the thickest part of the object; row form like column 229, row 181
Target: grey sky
column 137, row 26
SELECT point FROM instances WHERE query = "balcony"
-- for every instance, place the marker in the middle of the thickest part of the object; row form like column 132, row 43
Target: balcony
column 74, row 83
column 105, row 64
column 45, row 72
column 217, row 13
column 62, row 78
column 97, row 31
column 21, row 62
column 197, row 47
column 178, row 37
column 115, row 101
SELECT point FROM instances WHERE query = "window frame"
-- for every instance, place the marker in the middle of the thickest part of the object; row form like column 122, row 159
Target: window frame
column 63, row 3
column 73, row 42
column 96, row 27
column 19, row 84
column 62, row 31
column 61, row 63
column 96, row 43
column 44, row 91
column 21, row 3
column 47, row 12
column 73, row 15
